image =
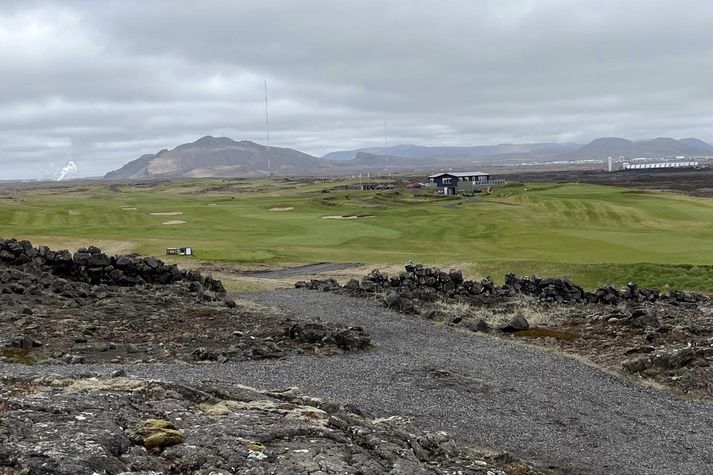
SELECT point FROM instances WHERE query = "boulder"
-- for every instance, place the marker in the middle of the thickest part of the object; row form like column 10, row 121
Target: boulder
column 642, row 318
column 19, row 341
column 353, row 338
column 518, row 323
column 392, row 300
column 479, row 325
column 155, row 434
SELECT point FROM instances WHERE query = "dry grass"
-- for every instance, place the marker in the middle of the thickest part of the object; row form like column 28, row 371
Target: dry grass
column 252, row 308
column 534, row 312
column 72, row 244
column 112, row 384
column 17, row 355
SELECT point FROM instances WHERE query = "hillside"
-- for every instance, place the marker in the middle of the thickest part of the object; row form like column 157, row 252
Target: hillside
column 657, row 148
column 221, row 157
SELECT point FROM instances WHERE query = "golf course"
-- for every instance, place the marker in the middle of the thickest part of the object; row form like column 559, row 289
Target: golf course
column 592, row 233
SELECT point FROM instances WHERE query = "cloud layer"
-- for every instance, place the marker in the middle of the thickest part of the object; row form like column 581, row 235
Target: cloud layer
column 101, row 83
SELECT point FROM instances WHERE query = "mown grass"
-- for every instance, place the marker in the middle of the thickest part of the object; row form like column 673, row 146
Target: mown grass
column 594, row 234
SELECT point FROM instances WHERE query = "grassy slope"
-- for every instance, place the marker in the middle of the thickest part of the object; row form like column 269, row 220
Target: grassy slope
column 592, row 233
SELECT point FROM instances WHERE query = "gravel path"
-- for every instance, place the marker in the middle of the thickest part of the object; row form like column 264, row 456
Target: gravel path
column 480, row 389
column 310, row 269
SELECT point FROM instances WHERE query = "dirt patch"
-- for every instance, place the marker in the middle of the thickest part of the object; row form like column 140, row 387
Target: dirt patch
column 174, row 222
column 167, row 213
column 285, row 208
column 351, row 216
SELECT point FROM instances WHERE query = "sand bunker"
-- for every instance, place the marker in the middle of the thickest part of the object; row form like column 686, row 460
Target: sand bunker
column 129, row 209
column 174, row 222
column 353, row 216
column 168, row 213
column 286, row 208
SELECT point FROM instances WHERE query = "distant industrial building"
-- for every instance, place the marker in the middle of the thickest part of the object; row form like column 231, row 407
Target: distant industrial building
column 651, row 166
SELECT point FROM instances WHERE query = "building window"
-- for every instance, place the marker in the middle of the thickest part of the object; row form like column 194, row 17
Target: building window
column 446, row 181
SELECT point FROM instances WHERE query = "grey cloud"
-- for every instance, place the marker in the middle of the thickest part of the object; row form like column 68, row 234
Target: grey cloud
column 104, row 82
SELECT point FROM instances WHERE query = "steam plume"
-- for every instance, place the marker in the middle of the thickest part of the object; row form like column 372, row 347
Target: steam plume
column 69, row 170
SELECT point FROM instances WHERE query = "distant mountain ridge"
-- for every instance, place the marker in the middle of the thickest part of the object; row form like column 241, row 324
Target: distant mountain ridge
column 419, row 151
column 600, row 148
column 656, row 148
column 223, row 157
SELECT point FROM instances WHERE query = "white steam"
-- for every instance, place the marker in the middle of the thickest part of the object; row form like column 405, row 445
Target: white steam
column 68, row 171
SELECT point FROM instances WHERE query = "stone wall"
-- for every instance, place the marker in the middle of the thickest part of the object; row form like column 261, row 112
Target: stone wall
column 94, row 267
column 430, row 284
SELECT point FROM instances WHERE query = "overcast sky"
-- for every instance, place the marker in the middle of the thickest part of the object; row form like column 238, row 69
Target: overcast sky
column 102, row 82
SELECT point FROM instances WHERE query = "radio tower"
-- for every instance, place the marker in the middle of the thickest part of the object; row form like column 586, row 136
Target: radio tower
column 267, row 129
column 386, row 153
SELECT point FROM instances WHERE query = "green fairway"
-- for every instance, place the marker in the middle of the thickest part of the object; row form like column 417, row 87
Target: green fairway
column 591, row 233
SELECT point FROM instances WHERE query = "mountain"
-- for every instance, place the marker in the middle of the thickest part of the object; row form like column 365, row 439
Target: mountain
column 418, row 151
column 698, row 145
column 221, row 157
column 606, row 146
column 373, row 161
column 661, row 147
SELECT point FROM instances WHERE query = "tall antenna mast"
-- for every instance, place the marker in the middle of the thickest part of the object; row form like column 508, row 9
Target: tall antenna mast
column 386, row 153
column 267, row 128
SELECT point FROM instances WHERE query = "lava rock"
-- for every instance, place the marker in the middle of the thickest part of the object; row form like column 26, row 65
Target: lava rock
column 479, row 325
column 518, row 323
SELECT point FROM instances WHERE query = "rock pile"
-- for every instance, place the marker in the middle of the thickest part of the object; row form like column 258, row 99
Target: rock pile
column 419, row 283
column 54, row 312
column 93, row 266
column 352, row 338
column 671, row 359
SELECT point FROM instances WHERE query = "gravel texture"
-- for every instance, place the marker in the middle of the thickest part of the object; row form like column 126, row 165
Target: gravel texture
column 482, row 390
column 306, row 270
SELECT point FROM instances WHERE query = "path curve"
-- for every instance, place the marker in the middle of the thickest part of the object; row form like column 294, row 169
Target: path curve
column 305, row 270
column 490, row 392
column 480, row 389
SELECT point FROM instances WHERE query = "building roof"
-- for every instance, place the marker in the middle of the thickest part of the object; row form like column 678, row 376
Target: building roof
column 460, row 174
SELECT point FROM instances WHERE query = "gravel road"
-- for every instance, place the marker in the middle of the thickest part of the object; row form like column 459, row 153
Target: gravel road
column 482, row 390
column 306, row 270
